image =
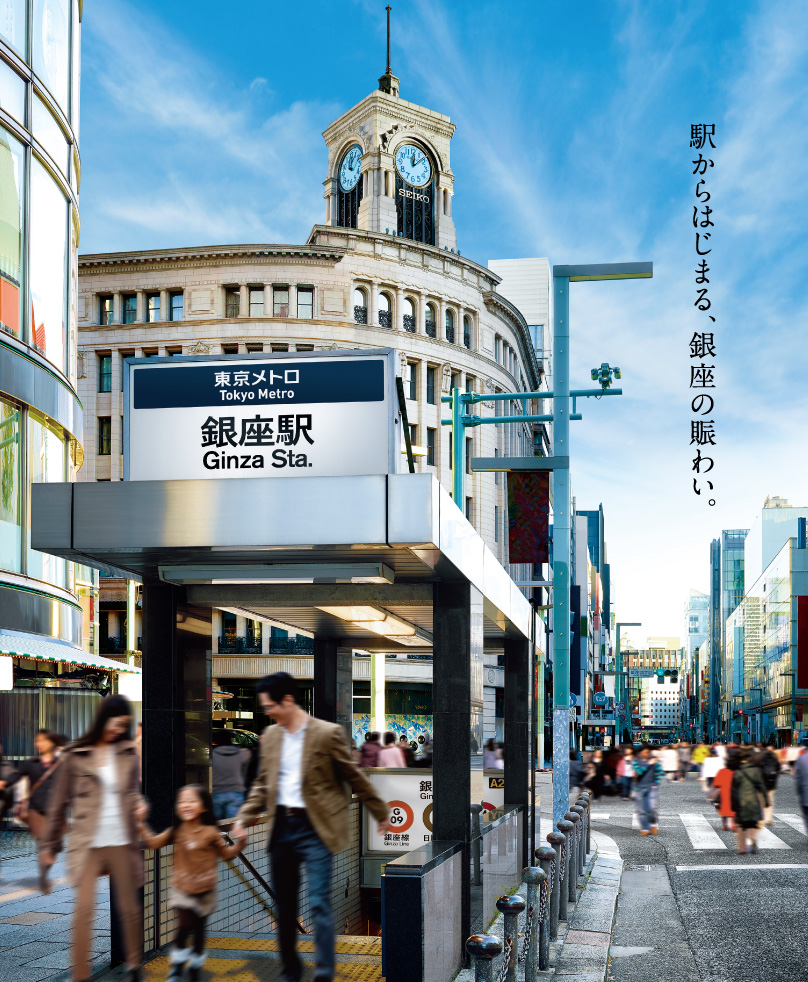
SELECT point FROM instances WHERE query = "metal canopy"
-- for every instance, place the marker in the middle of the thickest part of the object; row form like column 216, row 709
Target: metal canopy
column 407, row 522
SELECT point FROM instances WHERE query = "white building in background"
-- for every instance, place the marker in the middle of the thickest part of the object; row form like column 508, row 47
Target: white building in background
column 526, row 283
column 696, row 623
column 776, row 523
column 659, row 704
column 382, row 271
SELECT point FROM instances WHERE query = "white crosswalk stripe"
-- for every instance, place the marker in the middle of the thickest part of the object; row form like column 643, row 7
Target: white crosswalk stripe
column 794, row 821
column 701, row 834
column 766, row 839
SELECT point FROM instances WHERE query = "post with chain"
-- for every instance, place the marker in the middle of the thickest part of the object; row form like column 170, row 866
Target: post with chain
column 535, row 880
column 510, row 907
column 556, row 841
column 546, row 857
column 476, row 844
column 584, row 802
column 588, row 796
column 579, row 838
column 572, row 856
column 483, row 949
column 566, row 829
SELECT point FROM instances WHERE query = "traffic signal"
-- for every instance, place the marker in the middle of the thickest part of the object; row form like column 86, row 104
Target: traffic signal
column 674, row 675
column 660, row 676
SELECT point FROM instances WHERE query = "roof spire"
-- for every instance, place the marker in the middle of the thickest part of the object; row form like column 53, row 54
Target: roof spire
column 388, row 82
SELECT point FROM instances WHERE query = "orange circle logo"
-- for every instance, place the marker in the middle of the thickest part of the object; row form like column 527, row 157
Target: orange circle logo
column 428, row 816
column 401, row 816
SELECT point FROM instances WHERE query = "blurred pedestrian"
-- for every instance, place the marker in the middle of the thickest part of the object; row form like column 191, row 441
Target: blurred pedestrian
column 406, row 749
column 371, row 748
column 769, row 764
column 307, row 817
column 594, row 774
column 99, row 781
column 492, row 755
column 32, row 808
column 683, row 754
column 709, row 768
column 669, row 760
column 801, row 782
column 228, row 766
column 198, row 847
column 576, row 779
column 721, row 791
column 625, row 773
column 749, row 795
column 8, row 776
column 648, row 774
column 423, row 758
column 391, row 756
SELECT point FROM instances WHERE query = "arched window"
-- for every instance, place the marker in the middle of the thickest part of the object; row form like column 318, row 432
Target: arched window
column 349, row 186
column 450, row 325
column 385, row 310
column 415, row 193
column 409, row 315
column 467, row 331
column 431, row 321
column 360, row 308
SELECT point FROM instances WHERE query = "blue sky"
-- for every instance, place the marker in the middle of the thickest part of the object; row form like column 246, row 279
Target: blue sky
column 572, row 142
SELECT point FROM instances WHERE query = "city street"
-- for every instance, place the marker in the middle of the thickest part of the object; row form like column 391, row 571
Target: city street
column 691, row 909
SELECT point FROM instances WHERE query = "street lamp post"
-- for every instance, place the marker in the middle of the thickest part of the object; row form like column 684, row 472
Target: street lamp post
column 562, row 277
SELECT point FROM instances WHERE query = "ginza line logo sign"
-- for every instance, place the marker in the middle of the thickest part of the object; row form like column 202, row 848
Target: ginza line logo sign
column 215, row 418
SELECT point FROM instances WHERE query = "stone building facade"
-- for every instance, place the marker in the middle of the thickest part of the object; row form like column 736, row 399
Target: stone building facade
column 390, row 277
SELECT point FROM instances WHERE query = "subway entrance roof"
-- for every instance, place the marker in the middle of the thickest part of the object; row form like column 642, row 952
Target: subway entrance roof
column 347, row 557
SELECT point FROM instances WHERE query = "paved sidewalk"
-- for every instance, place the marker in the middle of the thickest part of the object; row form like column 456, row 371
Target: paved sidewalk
column 35, row 930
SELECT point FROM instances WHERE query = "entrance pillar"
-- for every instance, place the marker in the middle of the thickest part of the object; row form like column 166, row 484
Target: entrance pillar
column 176, row 697
column 333, row 683
column 517, row 727
column 457, row 687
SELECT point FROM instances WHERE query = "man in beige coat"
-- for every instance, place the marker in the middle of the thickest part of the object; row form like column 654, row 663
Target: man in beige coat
column 304, row 785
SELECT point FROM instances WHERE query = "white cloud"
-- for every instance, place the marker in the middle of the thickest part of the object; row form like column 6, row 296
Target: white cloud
column 180, row 155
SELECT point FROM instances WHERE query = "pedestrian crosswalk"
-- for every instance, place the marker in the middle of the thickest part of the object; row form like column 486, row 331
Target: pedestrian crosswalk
column 704, row 832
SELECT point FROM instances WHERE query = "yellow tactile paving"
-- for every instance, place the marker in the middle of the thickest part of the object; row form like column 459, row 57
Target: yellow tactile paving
column 263, row 970
column 345, row 946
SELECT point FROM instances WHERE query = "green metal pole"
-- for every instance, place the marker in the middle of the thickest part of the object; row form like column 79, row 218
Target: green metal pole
column 458, row 446
column 561, row 550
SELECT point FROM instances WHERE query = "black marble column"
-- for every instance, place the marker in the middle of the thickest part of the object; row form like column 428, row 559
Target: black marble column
column 176, row 697
column 517, row 724
column 457, row 696
column 333, row 683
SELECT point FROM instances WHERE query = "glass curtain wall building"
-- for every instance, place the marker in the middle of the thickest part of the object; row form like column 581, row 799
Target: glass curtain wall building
column 40, row 414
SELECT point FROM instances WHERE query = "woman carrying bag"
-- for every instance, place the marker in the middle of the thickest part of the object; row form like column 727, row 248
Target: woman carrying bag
column 32, row 810
column 99, row 780
column 748, row 791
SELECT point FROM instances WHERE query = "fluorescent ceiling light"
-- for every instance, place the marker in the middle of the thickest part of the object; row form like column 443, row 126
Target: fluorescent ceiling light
column 279, row 575
column 380, row 622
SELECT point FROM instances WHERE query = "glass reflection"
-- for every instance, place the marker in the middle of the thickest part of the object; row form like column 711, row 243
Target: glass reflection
column 46, row 455
column 49, row 133
column 9, row 486
column 75, row 75
column 12, row 92
column 12, row 203
column 51, row 49
column 12, row 23
column 48, row 265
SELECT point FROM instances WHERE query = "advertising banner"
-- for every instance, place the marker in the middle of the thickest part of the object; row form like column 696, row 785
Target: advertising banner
column 529, row 516
column 281, row 415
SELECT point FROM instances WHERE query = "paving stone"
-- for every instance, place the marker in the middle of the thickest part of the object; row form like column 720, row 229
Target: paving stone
column 601, row 939
column 31, row 917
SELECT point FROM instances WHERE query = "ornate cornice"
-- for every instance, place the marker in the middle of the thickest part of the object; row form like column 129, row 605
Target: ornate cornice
column 211, row 255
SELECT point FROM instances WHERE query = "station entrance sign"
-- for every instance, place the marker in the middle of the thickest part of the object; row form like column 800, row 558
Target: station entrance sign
column 275, row 415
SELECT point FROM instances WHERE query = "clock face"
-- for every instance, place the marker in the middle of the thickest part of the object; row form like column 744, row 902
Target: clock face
column 351, row 169
column 413, row 165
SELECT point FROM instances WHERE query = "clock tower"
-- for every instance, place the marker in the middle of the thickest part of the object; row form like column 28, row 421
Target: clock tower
column 388, row 168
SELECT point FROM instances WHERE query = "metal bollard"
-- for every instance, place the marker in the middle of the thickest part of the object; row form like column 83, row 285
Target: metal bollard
column 483, row 948
column 583, row 801
column 572, row 882
column 476, row 844
column 556, row 840
column 535, row 880
column 588, row 796
column 566, row 828
column 547, row 858
column 511, row 907
column 579, row 837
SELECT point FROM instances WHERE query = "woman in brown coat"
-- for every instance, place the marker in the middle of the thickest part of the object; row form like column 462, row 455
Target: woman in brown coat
column 99, row 780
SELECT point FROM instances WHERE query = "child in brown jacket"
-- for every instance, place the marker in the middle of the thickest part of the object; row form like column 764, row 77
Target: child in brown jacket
column 198, row 847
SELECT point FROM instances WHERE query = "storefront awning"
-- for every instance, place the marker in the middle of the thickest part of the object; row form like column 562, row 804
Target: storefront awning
column 44, row 649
